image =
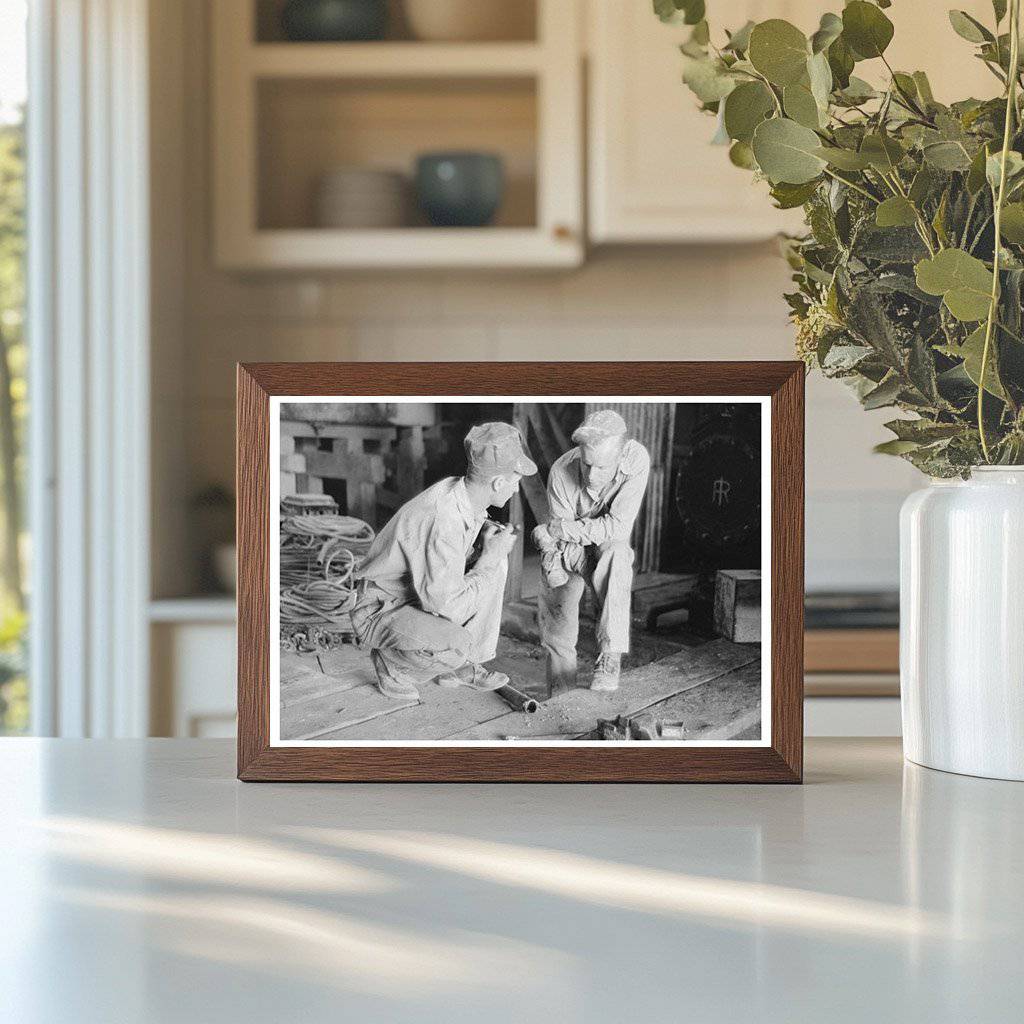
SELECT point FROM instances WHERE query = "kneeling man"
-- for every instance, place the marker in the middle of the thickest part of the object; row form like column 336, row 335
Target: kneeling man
column 595, row 491
column 421, row 611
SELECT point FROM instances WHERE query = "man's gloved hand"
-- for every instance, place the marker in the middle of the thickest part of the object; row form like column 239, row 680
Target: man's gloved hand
column 543, row 539
column 498, row 542
column 555, row 530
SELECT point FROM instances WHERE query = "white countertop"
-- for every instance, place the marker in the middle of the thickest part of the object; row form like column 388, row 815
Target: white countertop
column 140, row 882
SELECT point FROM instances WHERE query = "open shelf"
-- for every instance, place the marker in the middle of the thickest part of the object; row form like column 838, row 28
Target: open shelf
column 388, row 60
column 199, row 609
column 309, row 127
column 519, row 25
column 407, row 248
column 286, row 114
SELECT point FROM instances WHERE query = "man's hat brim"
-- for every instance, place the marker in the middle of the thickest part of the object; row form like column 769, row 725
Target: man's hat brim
column 525, row 466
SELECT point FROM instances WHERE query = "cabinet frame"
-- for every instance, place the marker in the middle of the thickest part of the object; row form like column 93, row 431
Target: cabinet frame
column 618, row 206
column 552, row 62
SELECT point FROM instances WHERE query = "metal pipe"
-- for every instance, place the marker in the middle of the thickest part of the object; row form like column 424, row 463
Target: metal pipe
column 516, row 700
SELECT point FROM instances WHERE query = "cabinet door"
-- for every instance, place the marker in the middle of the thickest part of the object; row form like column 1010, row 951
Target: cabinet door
column 654, row 177
column 653, row 174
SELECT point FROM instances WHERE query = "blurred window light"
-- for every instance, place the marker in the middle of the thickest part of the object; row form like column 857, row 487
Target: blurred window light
column 14, row 539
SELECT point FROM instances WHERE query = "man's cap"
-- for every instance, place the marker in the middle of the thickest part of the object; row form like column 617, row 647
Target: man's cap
column 498, row 448
column 599, row 426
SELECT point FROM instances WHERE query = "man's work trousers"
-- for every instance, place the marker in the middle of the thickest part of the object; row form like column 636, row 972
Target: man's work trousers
column 417, row 646
column 608, row 570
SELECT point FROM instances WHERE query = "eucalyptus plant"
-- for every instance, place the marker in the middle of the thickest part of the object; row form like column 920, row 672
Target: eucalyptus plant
column 910, row 277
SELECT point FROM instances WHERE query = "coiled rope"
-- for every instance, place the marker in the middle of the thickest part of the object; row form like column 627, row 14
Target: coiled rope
column 319, row 555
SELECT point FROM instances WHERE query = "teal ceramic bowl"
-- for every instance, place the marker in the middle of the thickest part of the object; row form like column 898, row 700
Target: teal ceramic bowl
column 334, row 21
column 460, row 189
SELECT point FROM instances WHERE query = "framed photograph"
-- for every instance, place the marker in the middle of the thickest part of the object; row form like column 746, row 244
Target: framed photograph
column 578, row 572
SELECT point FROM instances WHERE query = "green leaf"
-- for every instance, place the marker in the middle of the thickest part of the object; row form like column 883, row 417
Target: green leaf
column 921, row 371
column 829, row 30
column 963, row 281
column 922, row 185
column 779, row 51
column 895, row 447
column 993, row 165
column 707, row 78
column 999, row 9
column 666, row 10
column 867, row 317
column 890, row 245
column 883, row 152
column 905, row 84
column 721, row 136
column 866, row 29
column 857, row 91
column 739, row 41
column 947, row 156
column 801, row 106
column 885, row 394
column 689, row 12
column 741, row 155
column 844, row 159
column 745, row 108
column 939, row 220
column 819, row 74
column 693, row 10
column 1012, row 224
column 840, row 61
column 787, row 151
column 976, row 173
column 701, row 34
column 923, row 431
column 788, row 196
column 969, row 28
column 971, row 352
column 924, row 88
column 895, row 212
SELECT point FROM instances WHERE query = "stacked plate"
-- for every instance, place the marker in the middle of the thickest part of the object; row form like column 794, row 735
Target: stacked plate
column 362, row 197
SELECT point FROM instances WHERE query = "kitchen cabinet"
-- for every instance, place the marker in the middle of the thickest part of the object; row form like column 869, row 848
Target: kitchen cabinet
column 288, row 114
column 654, row 177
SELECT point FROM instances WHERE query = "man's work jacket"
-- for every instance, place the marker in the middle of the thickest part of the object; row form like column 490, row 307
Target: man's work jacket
column 419, row 557
column 589, row 517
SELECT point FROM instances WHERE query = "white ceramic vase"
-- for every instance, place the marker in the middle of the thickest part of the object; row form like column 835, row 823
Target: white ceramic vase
column 962, row 624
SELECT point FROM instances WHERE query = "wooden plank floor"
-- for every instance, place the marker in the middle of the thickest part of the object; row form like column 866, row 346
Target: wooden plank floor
column 714, row 687
column 577, row 711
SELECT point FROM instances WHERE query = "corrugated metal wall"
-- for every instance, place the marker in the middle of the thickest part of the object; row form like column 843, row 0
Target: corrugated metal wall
column 653, row 425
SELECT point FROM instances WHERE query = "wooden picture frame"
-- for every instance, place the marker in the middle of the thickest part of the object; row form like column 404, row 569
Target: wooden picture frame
column 779, row 759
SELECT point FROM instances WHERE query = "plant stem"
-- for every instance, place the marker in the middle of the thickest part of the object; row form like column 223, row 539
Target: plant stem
column 1011, row 108
column 907, row 99
column 775, row 99
column 853, row 185
column 980, row 232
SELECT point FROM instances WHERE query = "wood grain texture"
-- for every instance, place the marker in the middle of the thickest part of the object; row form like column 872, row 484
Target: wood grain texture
column 576, row 711
column 252, row 530
column 781, row 762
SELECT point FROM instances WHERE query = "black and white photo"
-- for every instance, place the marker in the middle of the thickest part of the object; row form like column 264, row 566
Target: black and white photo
column 447, row 571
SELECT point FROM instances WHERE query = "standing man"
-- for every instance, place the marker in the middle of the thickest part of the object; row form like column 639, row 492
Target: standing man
column 423, row 612
column 595, row 491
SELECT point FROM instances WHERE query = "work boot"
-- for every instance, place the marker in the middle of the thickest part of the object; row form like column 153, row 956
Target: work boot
column 389, row 685
column 606, row 671
column 476, row 677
